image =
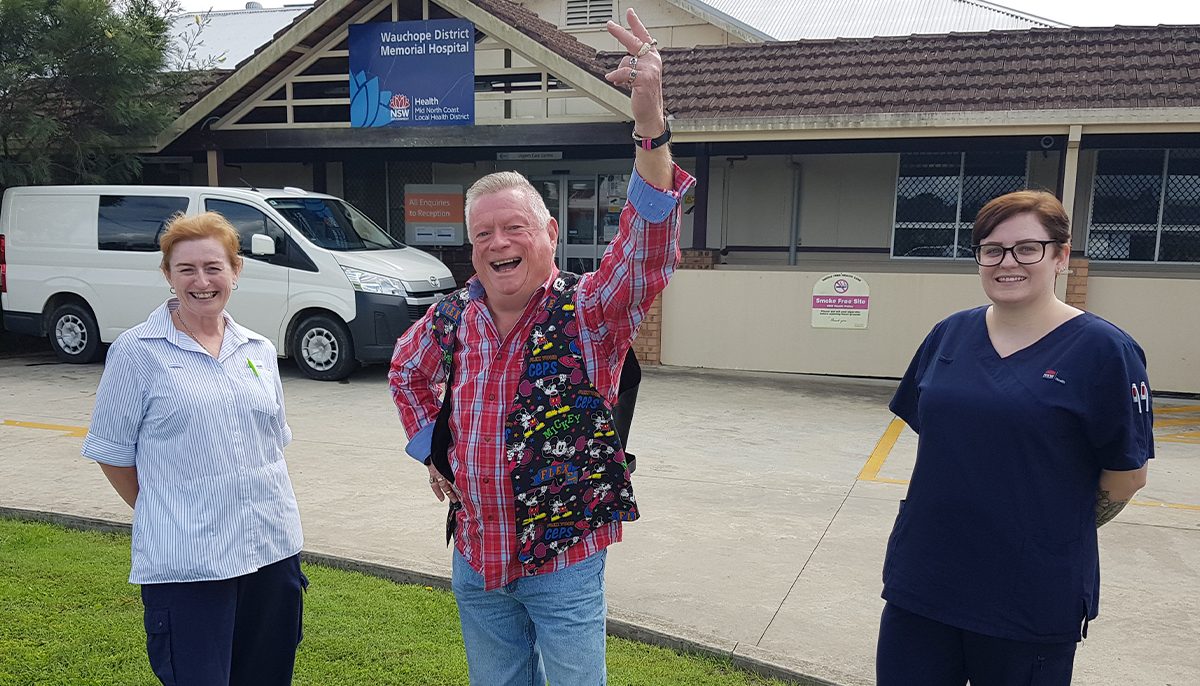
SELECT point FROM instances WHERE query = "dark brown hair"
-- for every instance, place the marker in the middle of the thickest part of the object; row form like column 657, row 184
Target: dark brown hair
column 1047, row 208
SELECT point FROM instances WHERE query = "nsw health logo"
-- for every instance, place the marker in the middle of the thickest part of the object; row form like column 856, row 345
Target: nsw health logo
column 401, row 107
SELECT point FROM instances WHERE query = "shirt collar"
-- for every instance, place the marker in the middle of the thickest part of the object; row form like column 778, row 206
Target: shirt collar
column 159, row 325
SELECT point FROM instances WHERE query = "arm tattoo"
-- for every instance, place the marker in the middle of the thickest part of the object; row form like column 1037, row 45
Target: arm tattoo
column 1107, row 508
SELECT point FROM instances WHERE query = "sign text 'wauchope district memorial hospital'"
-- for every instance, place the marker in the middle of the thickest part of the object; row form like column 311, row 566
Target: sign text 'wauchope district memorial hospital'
column 412, row 73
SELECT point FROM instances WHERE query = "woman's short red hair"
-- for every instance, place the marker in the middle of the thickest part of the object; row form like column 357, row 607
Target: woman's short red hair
column 200, row 226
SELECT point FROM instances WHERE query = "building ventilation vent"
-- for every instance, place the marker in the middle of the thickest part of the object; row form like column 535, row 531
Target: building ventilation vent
column 588, row 12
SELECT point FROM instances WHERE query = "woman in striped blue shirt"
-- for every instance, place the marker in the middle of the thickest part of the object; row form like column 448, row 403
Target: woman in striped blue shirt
column 189, row 428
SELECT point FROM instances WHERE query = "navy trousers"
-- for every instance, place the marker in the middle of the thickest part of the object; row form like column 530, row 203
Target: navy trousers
column 918, row 651
column 235, row 632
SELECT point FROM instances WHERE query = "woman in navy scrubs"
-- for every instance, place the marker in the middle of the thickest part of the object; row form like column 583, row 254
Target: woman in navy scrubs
column 1035, row 422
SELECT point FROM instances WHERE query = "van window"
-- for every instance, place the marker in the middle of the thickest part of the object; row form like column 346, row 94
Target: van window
column 333, row 224
column 249, row 221
column 134, row 222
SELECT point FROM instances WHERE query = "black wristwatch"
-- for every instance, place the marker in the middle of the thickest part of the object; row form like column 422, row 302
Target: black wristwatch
column 652, row 143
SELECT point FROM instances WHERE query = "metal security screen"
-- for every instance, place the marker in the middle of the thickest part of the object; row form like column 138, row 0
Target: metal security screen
column 1145, row 206
column 939, row 194
column 377, row 188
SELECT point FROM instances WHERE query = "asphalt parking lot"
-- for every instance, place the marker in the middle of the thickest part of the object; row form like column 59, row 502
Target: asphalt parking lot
column 767, row 500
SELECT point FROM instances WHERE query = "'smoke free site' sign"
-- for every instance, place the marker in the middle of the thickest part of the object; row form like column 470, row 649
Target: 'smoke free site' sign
column 412, row 73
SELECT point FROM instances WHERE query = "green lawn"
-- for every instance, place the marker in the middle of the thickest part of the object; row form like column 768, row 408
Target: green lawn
column 68, row 616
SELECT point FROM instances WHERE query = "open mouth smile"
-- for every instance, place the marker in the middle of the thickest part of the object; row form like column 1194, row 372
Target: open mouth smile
column 508, row 265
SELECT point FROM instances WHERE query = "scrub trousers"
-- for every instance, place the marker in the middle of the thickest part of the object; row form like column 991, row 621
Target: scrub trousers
column 235, row 632
column 918, row 651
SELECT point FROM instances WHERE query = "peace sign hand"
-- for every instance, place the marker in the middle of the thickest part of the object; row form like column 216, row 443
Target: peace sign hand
column 641, row 71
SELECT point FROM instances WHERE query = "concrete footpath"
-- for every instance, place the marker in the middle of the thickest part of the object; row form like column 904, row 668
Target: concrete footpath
column 766, row 498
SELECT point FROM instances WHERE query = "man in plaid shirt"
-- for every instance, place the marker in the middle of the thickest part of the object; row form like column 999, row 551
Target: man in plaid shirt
column 522, row 623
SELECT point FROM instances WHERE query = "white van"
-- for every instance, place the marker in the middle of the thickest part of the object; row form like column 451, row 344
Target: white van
column 80, row 264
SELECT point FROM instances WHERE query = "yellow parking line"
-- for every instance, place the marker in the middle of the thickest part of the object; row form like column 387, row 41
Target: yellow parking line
column 1173, row 506
column 870, row 471
column 1185, row 437
column 79, row 431
column 1177, row 421
column 1178, row 409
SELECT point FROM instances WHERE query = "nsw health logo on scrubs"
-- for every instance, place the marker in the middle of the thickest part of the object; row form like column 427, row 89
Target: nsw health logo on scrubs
column 1053, row 376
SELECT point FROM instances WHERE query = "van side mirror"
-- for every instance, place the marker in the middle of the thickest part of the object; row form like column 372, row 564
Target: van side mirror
column 262, row 244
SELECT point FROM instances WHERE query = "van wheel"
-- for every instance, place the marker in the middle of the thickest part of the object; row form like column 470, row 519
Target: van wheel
column 322, row 348
column 74, row 334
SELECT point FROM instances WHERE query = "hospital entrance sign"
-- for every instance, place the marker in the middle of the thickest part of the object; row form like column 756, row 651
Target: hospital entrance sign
column 412, row 73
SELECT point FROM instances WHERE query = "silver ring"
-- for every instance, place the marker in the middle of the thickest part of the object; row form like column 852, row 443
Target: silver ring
column 431, row 479
column 441, row 479
column 632, row 61
column 632, row 75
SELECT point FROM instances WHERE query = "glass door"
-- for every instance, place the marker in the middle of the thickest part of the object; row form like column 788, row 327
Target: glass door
column 588, row 210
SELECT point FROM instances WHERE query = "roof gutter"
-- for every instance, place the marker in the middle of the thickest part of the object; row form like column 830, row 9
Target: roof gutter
column 936, row 124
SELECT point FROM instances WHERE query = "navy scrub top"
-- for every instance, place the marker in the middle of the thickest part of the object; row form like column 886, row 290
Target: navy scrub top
column 998, row 533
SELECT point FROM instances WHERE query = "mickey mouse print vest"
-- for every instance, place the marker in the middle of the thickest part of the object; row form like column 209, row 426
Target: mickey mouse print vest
column 566, row 465
column 566, row 462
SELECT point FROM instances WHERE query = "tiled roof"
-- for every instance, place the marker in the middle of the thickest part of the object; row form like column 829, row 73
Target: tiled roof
column 1035, row 69
column 1027, row 70
column 867, row 18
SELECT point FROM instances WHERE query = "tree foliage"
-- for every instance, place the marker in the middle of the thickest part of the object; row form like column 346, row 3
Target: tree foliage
column 79, row 81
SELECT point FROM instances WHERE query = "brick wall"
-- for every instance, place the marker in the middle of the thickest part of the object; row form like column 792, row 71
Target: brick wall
column 1077, row 282
column 648, row 344
column 699, row 259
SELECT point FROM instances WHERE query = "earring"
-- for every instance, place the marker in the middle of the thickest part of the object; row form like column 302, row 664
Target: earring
column 172, row 290
column 235, row 285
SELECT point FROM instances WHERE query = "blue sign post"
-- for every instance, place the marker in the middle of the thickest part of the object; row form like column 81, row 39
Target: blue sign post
column 412, row 73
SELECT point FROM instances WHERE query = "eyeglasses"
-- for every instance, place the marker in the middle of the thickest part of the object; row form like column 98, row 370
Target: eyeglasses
column 1025, row 252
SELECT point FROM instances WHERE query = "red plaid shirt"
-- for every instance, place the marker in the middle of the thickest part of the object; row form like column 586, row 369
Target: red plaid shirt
column 610, row 303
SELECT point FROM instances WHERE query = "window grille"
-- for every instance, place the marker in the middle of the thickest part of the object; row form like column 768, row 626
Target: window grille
column 1145, row 206
column 939, row 194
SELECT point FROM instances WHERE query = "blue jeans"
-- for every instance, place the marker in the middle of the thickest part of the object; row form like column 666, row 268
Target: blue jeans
column 549, row 626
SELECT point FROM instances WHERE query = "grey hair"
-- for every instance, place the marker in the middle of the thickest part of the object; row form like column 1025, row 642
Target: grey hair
column 503, row 181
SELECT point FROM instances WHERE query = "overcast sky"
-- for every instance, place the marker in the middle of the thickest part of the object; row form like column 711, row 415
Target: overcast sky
column 1076, row 12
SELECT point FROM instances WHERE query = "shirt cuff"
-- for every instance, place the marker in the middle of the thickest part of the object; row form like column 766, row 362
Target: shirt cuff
column 653, row 204
column 104, row 450
column 421, row 444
